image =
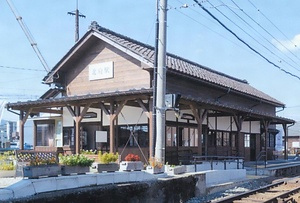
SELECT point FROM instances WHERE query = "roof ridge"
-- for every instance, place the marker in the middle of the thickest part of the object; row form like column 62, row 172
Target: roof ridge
column 97, row 27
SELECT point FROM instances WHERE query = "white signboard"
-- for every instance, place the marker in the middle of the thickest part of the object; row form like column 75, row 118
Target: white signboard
column 101, row 136
column 100, row 71
column 295, row 145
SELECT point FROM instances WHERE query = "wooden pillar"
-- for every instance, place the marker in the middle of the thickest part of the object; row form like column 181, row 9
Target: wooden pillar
column 238, row 122
column 34, row 134
column 284, row 125
column 77, row 117
column 266, row 125
column 112, row 128
column 21, row 130
column 199, row 114
column 22, row 121
column 77, row 129
column 112, row 114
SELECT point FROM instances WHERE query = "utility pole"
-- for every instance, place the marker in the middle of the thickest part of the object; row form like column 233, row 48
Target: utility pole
column 77, row 15
column 152, row 154
column 161, row 84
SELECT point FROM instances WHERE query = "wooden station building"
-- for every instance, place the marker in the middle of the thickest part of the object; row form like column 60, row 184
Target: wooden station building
column 100, row 97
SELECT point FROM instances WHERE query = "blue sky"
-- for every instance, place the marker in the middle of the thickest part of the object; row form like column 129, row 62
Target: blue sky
column 192, row 34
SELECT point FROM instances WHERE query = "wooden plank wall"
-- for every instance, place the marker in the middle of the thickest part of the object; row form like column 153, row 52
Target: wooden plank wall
column 128, row 73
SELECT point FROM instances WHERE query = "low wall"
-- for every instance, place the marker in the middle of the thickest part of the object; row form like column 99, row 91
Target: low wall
column 171, row 189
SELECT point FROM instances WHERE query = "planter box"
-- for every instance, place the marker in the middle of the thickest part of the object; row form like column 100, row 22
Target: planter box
column 110, row 167
column 131, row 166
column 176, row 170
column 42, row 170
column 155, row 170
column 68, row 170
column 7, row 173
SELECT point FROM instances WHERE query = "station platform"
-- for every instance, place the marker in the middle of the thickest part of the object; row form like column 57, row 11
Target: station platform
column 280, row 167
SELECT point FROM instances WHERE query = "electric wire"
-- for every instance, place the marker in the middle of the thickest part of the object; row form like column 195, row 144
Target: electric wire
column 272, row 23
column 242, row 29
column 281, row 59
column 215, row 32
column 245, row 43
column 24, row 69
column 267, row 32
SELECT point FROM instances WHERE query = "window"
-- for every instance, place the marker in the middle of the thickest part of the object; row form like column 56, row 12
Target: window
column 68, row 136
column 45, row 133
column 226, row 139
column 171, row 137
column 188, row 137
column 140, row 137
column 219, row 138
column 247, row 140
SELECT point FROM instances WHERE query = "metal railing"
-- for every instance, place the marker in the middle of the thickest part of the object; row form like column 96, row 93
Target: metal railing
column 259, row 156
column 215, row 159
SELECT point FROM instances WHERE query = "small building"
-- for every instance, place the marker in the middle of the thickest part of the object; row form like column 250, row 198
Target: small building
column 101, row 98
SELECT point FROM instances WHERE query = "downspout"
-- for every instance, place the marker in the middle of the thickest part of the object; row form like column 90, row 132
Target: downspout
column 286, row 141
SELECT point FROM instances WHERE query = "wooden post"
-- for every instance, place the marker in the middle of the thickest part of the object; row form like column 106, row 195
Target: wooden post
column 266, row 125
column 284, row 125
column 22, row 120
column 238, row 122
column 150, row 130
column 34, row 134
column 77, row 129
column 112, row 128
column 199, row 114
column 77, row 117
column 21, row 130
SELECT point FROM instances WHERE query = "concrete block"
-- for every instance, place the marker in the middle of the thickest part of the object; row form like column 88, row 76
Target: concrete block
column 23, row 188
column 6, row 194
column 105, row 178
column 67, row 182
column 44, row 185
column 87, row 180
column 122, row 177
column 135, row 176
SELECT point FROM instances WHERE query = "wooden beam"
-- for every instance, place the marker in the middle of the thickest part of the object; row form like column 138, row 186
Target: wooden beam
column 104, row 109
column 71, row 111
column 143, row 106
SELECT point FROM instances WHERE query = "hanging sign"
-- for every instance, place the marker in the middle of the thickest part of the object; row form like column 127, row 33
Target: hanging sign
column 100, row 71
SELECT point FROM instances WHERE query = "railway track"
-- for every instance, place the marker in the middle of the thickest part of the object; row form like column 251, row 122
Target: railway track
column 282, row 191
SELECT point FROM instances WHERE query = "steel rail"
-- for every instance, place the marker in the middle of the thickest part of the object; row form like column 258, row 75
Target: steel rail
column 251, row 192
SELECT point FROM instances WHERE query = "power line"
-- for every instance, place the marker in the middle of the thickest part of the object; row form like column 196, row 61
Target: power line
column 272, row 23
column 281, row 59
column 268, row 32
column 245, row 43
column 23, row 69
column 207, row 27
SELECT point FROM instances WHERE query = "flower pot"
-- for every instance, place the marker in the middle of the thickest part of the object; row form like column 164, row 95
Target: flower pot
column 176, row 170
column 68, row 170
column 155, row 170
column 131, row 166
column 7, row 173
column 41, row 170
column 99, row 167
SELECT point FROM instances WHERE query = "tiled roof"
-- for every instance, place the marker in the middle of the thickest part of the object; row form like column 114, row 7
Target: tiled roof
column 180, row 65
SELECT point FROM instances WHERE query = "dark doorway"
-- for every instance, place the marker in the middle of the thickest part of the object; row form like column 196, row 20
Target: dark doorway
column 252, row 147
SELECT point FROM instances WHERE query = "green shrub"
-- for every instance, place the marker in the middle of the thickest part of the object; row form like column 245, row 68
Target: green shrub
column 108, row 157
column 75, row 160
column 7, row 166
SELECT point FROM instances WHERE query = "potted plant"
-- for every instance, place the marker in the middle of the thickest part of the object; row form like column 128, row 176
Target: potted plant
column 155, row 166
column 75, row 163
column 175, row 170
column 41, row 166
column 107, row 162
column 91, row 154
column 7, row 164
column 132, row 163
